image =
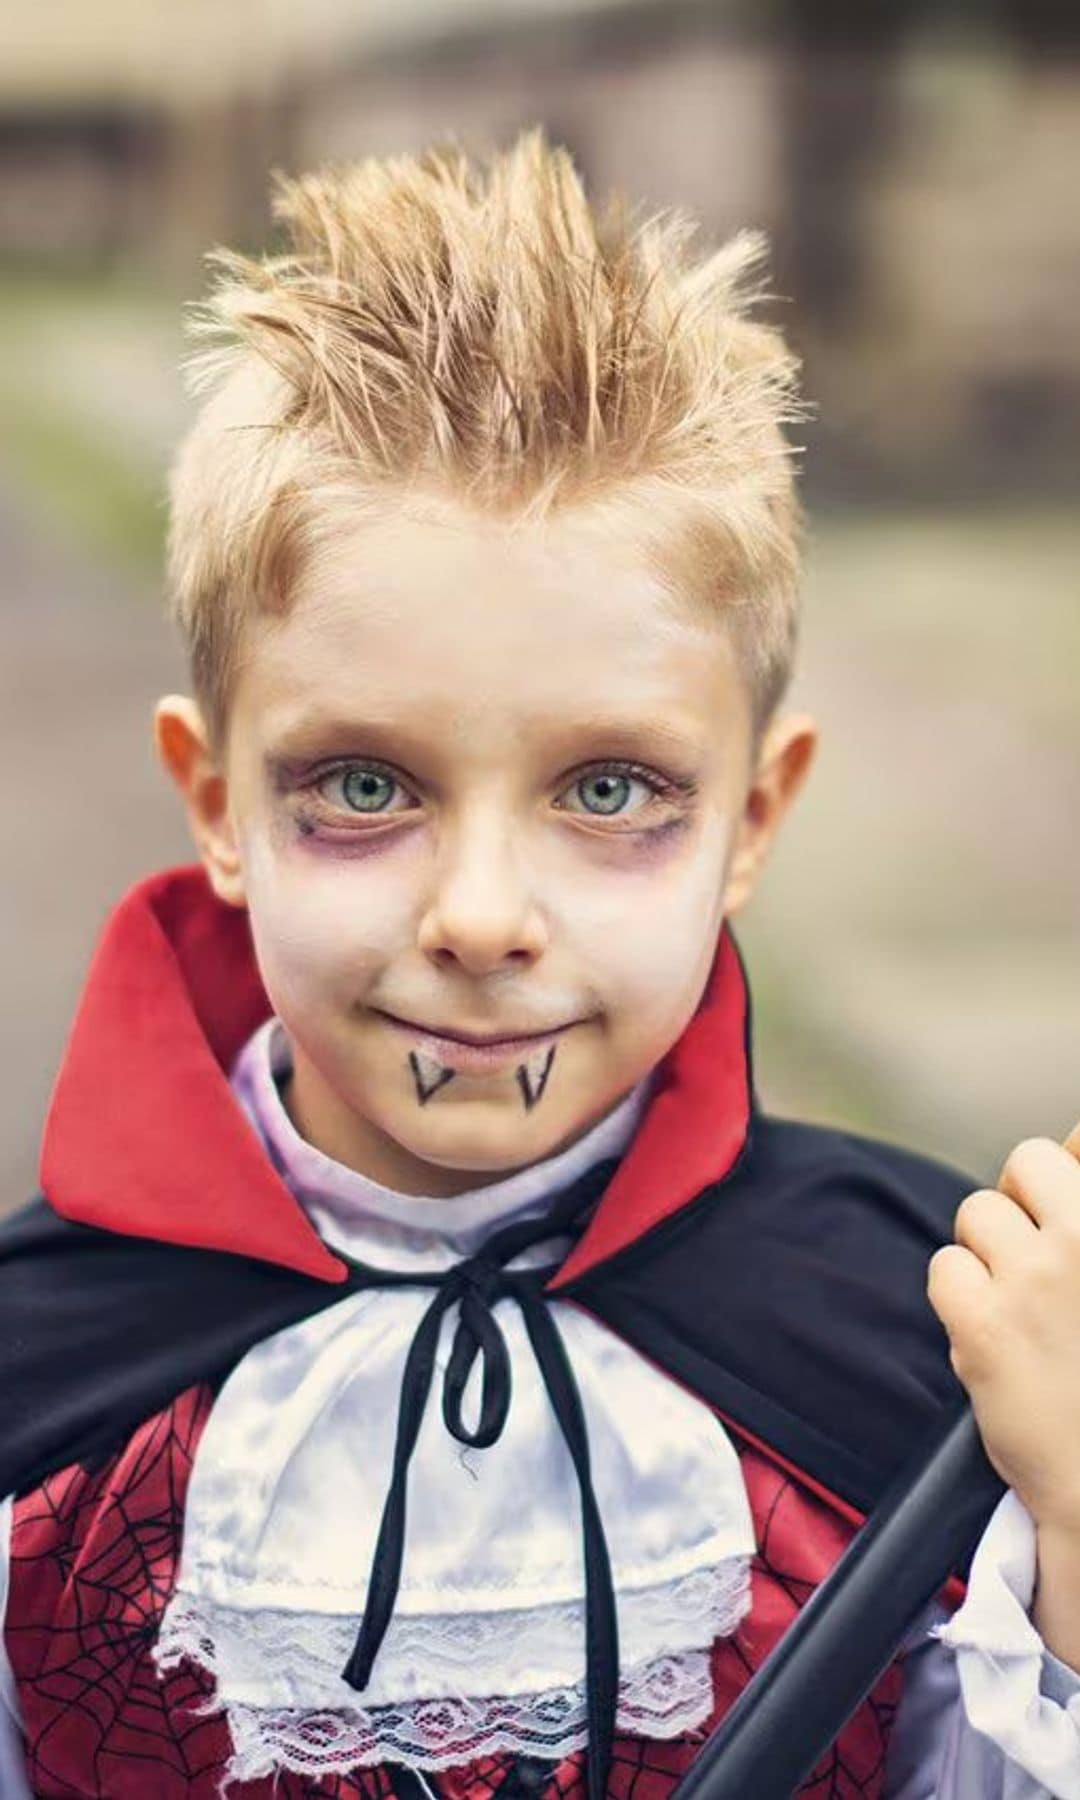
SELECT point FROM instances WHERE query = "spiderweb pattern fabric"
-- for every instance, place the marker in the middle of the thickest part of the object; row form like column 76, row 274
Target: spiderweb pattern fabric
column 799, row 1539
column 94, row 1562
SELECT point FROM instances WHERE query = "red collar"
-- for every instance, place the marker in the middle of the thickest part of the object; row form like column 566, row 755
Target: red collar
column 143, row 1135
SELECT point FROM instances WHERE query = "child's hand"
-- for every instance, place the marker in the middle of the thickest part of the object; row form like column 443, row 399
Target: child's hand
column 1008, row 1294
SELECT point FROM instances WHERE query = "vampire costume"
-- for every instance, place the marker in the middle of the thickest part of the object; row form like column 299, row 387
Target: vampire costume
column 321, row 1490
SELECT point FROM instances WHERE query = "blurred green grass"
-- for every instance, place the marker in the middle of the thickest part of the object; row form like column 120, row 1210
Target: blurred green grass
column 98, row 493
column 90, row 399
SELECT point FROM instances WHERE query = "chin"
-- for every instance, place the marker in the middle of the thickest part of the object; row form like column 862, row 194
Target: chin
column 493, row 1146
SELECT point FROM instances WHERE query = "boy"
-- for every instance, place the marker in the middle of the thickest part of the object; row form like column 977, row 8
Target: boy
column 434, row 1074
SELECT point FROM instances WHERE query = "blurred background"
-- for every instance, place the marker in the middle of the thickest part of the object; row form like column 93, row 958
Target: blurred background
column 914, row 946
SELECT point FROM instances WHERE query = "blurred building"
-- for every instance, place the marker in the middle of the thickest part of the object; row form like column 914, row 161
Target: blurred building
column 917, row 183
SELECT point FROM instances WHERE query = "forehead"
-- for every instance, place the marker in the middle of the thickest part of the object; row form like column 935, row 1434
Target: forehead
column 470, row 626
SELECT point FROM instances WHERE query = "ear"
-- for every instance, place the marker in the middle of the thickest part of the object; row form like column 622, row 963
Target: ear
column 183, row 748
column 787, row 750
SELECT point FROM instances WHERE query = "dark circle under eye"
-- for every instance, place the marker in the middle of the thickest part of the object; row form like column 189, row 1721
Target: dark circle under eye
column 366, row 790
column 610, row 790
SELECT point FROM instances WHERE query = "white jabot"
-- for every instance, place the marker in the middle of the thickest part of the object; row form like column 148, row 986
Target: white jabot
column 485, row 1650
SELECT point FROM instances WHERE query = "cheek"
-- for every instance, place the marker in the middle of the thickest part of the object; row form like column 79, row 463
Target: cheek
column 316, row 937
column 648, row 939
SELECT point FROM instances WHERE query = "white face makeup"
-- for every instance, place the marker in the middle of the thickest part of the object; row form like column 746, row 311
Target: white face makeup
column 484, row 783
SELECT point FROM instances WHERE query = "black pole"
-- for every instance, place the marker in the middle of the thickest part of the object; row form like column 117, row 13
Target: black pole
column 852, row 1625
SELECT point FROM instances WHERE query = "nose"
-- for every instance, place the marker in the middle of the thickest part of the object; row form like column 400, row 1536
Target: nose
column 482, row 912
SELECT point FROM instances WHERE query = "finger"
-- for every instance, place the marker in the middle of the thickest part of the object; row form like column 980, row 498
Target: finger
column 1045, row 1179
column 958, row 1286
column 994, row 1228
column 1072, row 1142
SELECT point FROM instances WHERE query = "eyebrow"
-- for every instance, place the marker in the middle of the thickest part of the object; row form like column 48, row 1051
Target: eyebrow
column 632, row 734
column 312, row 734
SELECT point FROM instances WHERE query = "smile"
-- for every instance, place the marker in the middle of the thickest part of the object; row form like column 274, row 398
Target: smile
column 460, row 1053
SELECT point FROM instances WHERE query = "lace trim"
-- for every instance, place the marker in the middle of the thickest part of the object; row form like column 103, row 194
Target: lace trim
column 278, row 1678
column 274, row 1657
column 661, row 1700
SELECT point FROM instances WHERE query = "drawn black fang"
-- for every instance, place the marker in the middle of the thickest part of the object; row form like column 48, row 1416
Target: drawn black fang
column 531, row 1080
column 428, row 1075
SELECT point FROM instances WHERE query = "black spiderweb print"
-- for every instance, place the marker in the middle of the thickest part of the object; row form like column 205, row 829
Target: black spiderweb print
column 799, row 1539
column 94, row 1562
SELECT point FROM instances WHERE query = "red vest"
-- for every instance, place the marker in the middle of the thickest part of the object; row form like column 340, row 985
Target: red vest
column 94, row 1559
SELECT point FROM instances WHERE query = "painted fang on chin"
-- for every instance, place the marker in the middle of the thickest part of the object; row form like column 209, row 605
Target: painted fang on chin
column 428, row 1075
column 532, row 1075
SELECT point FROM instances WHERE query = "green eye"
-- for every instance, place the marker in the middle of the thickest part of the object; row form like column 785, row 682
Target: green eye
column 366, row 790
column 610, row 791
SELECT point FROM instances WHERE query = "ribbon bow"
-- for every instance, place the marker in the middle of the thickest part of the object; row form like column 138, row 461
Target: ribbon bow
column 477, row 1285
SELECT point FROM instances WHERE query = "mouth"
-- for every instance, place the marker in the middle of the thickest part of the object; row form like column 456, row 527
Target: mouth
column 470, row 1053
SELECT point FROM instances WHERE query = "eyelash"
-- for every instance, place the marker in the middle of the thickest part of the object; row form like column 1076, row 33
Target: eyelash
column 660, row 786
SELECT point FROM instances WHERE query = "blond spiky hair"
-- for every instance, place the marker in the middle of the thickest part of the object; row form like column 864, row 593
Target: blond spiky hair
column 475, row 331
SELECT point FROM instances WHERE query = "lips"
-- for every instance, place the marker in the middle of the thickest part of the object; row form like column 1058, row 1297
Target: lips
column 461, row 1053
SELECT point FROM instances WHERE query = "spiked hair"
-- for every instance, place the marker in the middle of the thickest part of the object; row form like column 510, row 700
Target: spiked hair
column 475, row 332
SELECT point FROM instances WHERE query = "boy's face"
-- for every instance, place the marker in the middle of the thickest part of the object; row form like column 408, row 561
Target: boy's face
column 482, row 782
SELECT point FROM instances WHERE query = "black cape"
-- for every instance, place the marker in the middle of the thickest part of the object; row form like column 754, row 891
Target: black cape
column 790, row 1295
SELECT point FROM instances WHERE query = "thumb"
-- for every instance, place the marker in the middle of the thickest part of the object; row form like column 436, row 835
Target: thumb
column 1072, row 1142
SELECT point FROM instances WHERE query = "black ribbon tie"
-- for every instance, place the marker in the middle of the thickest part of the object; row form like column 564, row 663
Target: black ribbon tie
column 476, row 1285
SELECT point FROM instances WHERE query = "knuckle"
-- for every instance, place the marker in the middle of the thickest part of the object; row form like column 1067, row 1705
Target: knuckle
column 1039, row 1290
column 943, row 1275
column 973, row 1208
column 933, row 1274
column 969, row 1318
column 1028, row 1154
column 1067, row 1234
column 973, row 1349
